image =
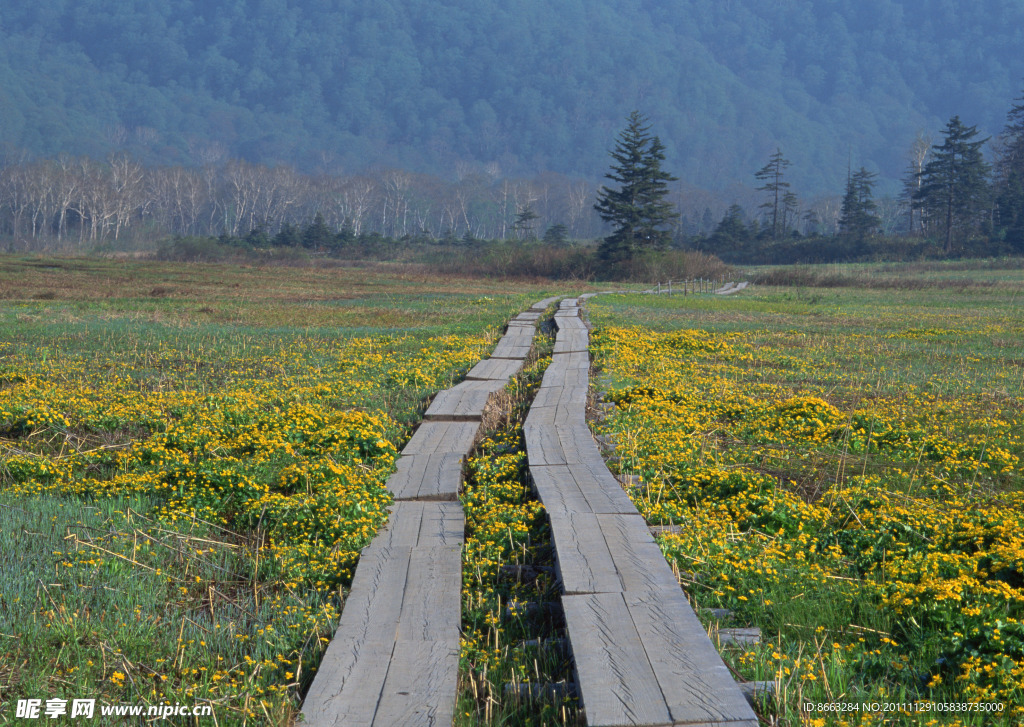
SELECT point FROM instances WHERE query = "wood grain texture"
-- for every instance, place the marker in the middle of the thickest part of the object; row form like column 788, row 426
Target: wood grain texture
column 616, row 683
column 571, row 341
column 543, row 305
column 511, row 348
column 432, row 598
column 582, row 559
column 427, row 477
column 580, row 488
column 420, row 688
column 442, row 437
column 415, row 523
column 495, row 369
column 697, row 685
column 569, row 322
column 569, row 304
column 463, row 402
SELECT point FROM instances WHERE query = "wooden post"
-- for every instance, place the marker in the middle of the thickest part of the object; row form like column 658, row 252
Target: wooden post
column 659, row 287
column 670, row 288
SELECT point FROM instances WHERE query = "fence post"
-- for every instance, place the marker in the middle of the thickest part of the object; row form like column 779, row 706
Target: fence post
column 659, row 287
column 670, row 288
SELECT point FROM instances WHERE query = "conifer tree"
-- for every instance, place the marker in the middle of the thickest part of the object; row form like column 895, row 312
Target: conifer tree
column 954, row 191
column 775, row 207
column 1009, row 174
column 638, row 209
column 857, row 217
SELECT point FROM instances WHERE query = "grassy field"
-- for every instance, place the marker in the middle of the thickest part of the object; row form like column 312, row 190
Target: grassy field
column 192, row 457
column 845, row 463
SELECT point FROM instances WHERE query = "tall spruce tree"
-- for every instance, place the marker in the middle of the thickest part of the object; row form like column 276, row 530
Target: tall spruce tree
column 776, row 205
column 1009, row 178
column 857, row 217
column 954, row 192
column 638, row 209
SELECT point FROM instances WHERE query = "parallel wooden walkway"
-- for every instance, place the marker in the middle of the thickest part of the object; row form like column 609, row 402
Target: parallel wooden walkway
column 394, row 660
column 641, row 655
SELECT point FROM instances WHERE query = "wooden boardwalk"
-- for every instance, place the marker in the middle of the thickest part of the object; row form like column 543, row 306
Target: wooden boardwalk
column 394, row 660
column 641, row 656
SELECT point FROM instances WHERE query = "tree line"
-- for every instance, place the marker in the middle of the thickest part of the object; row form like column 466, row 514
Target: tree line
column 79, row 203
column 954, row 201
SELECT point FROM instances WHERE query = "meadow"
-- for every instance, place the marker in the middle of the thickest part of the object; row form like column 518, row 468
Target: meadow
column 192, row 458
column 844, row 466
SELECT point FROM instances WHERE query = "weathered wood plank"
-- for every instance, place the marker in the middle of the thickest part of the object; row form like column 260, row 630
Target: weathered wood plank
column 530, row 315
column 440, row 437
column 559, row 376
column 577, row 360
column 616, row 682
column 571, row 341
column 432, row 598
column 570, row 323
column 542, row 305
column 640, row 564
column 418, row 523
column 427, row 476
column 582, row 488
column 569, row 303
column 421, row 684
column 691, row 674
column 582, row 559
column 511, row 349
column 352, row 673
column 561, row 396
column 464, row 401
column 348, row 684
column 495, row 369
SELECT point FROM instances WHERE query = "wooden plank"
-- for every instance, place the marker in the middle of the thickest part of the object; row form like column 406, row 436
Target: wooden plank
column 495, row 369
column 597, row 489
column 464, row 401
column 542, row 305
column 561, row 396
column 577, row 360
column 530, row 315
column 562, row 376
column 638, row 560
column 348, row 684
column 692, row 676
column 440, row 437
column 616, row 682
column 510, row 349
column 568, row 303
column 431, row 608
column 427, row 476
column 582, row 559
column 570, row 323
column 571, row 341
column 351, row 675
column 418, row 523
column 557, row 490
column 421, row 685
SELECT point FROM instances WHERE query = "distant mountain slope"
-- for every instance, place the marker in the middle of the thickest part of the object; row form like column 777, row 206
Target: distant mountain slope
column 528, row 84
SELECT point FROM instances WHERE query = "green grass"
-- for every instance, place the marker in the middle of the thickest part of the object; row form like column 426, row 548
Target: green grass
column 903, row 390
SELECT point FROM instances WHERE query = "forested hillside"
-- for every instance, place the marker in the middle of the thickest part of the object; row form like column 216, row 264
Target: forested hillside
column 526, row 84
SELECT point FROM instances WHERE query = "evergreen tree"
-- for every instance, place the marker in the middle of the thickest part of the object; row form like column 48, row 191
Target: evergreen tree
column 1009, row 173
column 556, row 235
column 523, row 226
column 857, row 217
column 638, row 209
column 772, row 176
column 954, row 191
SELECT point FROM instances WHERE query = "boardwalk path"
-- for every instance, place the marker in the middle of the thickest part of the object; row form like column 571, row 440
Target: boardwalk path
column 394, row 660
column 641, row 655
